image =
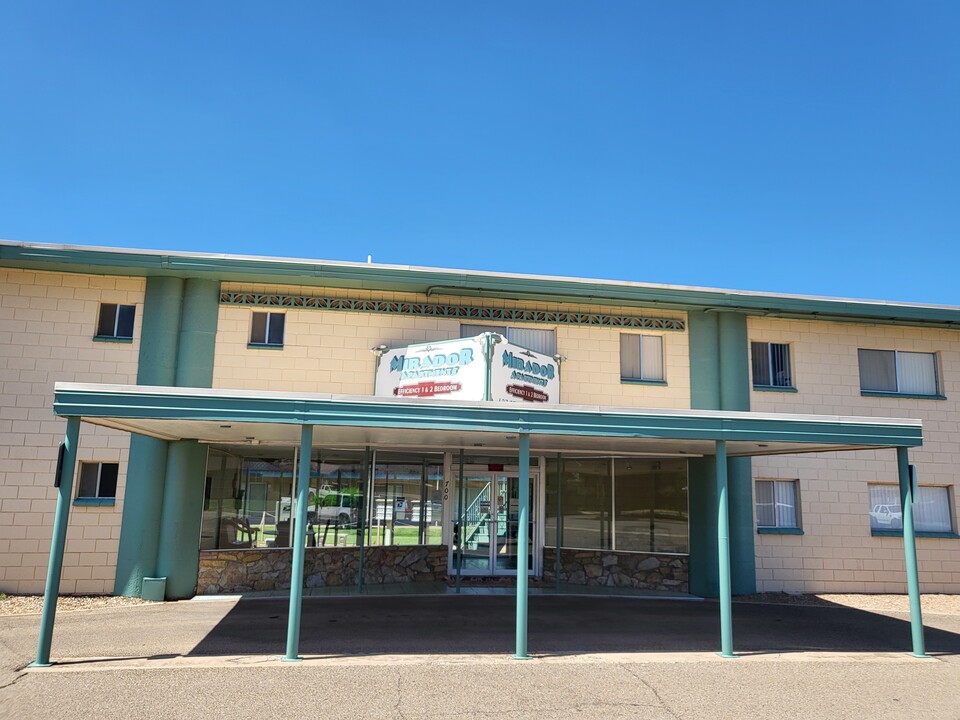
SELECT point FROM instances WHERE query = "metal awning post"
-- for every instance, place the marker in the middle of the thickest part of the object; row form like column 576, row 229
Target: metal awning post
column 723, row 551
column 910, row 551
column 65, row 468
column 461, row 517
column 523, row 543
column 297, row 539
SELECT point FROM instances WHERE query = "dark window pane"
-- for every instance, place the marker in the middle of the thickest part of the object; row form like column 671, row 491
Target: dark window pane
column 276, row 329
column 108, row 480
column 108, row 319
column 761, row 363
column 125, row 321
column 587, row 503
column 878, row 370
column 88, row 480
column 651, row 505
column 258, row 328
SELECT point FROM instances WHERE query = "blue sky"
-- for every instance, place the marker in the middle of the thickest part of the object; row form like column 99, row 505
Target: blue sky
column 809, row 147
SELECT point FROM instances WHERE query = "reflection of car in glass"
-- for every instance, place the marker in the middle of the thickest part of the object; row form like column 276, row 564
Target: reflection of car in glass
column 887, row 514
column 341, row 508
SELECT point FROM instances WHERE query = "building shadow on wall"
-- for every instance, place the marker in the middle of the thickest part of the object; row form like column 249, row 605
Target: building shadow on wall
column 558, row 625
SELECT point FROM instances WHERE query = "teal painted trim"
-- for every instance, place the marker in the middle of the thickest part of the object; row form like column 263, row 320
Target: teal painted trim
column 178, row 554
column 109, row 402
column 523, row 548
column 112, row 339
column 94, row 502
column 779, row 531
column 704, row 360
column 160, row 331
column 460, row 312
column 910, row 552
column 919, row 533
column 734, row 361
column 772, row 388
column 198, row 333
column 140, row 263
column 723, row 555
column 907, row 396
column 637, row 381
column 264, row 346
column 58, row 542
column 140, row 524
column 297, row 538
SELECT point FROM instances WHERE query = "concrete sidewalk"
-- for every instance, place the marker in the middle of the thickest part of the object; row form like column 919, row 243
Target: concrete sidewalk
column 438, row 656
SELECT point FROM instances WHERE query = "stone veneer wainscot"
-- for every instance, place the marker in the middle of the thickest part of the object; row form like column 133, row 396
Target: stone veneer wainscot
column 605, row 568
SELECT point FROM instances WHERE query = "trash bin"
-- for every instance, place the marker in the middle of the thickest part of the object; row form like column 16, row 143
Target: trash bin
column 154, row 589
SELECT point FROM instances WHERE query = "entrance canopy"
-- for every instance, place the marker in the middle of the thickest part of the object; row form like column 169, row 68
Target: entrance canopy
column 236, row 417
column 257, row 417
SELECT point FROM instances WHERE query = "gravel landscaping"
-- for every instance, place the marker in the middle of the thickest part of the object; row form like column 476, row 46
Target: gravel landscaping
column 32, row 604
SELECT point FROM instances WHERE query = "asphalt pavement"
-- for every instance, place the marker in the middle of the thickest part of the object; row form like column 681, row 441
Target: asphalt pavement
column 449, row 656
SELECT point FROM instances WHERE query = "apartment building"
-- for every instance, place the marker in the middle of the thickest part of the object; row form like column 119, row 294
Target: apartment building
column 409, row 424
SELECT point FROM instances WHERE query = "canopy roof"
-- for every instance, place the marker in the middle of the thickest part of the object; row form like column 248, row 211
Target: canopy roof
column 247, row 417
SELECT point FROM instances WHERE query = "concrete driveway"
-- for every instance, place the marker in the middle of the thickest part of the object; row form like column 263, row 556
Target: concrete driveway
column 448, row 656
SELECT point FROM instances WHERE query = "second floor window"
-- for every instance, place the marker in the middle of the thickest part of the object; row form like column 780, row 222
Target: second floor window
column 641, row 358
column 898, row 372
column 536, row 339
column 116, row 321
column 266, row 328
column 771, row 365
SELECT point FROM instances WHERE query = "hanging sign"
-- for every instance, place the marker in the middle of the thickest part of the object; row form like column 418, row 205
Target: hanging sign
column 453, row 369
column 521, row 375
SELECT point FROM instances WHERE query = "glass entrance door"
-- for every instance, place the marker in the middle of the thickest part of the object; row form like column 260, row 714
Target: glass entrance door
column 490, row 523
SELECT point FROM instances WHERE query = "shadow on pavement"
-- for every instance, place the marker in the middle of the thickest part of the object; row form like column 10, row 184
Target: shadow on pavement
column 464, row 624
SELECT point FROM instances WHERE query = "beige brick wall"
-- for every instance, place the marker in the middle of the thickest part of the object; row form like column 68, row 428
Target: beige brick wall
column 47, row 322
column 329, row 351
column 837, row 552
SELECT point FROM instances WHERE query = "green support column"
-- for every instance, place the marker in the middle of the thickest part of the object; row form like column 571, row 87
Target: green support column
column 735, row 395
column 720, row 380
column 910, row 551
column 523, row 548
column 146, row 468
column 178, row 555
column 296, row 537
column 58, row 542
column 556, row 561
column 723, row 555
column 198, row 333
column 460, row 517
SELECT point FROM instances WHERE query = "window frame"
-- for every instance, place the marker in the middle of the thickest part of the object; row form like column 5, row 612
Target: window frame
column 771, row 385
column 115, row 335
column 778, row 529
column 97, row 498
column 641, row 380
column 270, row 314
column 895, row 532
column 481, row 328
column 938, row 390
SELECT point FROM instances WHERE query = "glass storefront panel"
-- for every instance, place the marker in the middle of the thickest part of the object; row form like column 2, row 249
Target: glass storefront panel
column 587, row 503
column 407, row 507
column 651, row 505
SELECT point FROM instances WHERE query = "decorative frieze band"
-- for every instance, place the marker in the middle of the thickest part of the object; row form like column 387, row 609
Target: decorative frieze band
column 461, row 312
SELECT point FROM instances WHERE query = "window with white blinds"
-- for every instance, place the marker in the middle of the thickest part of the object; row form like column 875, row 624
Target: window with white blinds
column 641, row 358
column 896, row 371
column 777, row 504
column 931, row 509
column 536, row 339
